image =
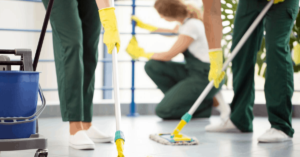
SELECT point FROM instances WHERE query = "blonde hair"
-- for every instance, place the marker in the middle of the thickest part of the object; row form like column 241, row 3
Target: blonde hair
column 177, row 9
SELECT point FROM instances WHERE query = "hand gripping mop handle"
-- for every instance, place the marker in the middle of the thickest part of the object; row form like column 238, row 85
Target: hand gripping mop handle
column 35, row 62
column 186, row 118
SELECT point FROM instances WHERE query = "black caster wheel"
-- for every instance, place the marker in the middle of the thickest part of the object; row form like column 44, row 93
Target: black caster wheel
column 41, row 153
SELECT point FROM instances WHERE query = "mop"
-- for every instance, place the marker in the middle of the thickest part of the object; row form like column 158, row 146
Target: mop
column 119, row 136
column 176, row 138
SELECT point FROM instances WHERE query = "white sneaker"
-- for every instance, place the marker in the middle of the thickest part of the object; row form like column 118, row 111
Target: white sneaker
column 273, row 135
column 81, row 141
column 97, row 136
column 225, row 126
column 223, row 107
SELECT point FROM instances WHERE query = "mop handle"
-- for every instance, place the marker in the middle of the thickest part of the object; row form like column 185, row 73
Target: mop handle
column 116, row 85
column 233, row 54
column 116, row 90
column 42, row 36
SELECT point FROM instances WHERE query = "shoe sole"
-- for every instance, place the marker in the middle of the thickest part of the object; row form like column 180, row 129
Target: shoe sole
column 224, row 131
column 83, row 147
column 273, row 141
column 102, row 140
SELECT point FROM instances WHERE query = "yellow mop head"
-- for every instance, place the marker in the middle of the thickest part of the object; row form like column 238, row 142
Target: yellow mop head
column 120, row 139
column 176, row 138
column 169, row 139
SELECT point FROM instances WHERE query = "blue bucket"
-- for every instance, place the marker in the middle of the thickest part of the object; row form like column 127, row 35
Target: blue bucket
column 18, row 98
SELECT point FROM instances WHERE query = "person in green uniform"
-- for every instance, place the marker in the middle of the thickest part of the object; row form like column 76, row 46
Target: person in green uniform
column 181, row 83
column 279, row 86
column 76, row 30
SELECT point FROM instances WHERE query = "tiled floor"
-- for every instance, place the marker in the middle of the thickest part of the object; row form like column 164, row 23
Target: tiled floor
column 138, row 144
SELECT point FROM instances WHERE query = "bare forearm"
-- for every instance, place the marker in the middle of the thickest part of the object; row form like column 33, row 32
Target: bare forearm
column 163, row 30
column 212, row 20
column 103, row 4
column 164, row 56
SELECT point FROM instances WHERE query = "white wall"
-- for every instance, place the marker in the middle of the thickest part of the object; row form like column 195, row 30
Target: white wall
column 29, row 15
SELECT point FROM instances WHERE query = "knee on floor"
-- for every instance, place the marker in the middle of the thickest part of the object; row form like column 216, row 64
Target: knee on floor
column 160, row 113
column 165, row 113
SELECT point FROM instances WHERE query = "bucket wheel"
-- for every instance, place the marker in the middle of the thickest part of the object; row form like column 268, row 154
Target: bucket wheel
column 41, row 153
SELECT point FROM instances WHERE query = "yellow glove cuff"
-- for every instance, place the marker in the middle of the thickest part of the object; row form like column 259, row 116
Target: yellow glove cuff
column 148, row 55
column 107, row 16
column 215, row 54
column 277, row 1
column 296, row 56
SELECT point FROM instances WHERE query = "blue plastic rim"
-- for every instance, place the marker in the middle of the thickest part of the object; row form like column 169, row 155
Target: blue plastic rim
column 18, row 98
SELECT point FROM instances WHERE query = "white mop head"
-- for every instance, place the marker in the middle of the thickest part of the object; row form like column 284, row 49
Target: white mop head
column 166, row 139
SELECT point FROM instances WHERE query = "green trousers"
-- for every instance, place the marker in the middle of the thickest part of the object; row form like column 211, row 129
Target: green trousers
column 76, row 30
column 279, row 84
column 182, row 84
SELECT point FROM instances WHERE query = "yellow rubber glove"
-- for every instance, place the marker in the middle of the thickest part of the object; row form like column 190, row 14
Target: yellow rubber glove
column 120, row 147
column 216, row 65
column 296, row 56
column 135, row 51
column 277, row 1
column 111, row 36
column 148, row 55
column 143, row 25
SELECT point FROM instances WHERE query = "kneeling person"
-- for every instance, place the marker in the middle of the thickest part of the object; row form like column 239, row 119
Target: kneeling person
column 182, row 83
